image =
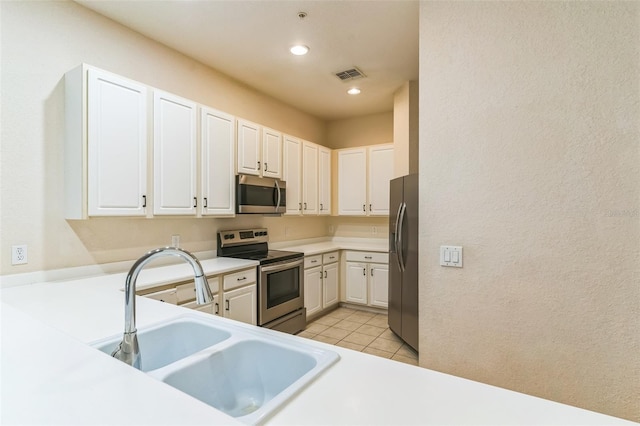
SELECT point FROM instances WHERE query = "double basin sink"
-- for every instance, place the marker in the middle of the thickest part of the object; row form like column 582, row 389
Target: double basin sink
column 243, row 372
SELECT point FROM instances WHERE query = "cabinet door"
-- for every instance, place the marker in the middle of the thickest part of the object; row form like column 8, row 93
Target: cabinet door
column 309, row 178
column 174, row 155
column 248, row 148
column 380, row 174
column 217, row 156
column 324, row 181
column 271, row 153
column 116, row 146
column 352, row 185
column 313, row 290
column 330, row 293
column 241, row 304
column 379, row 285
column 356, row 282
column 293, row 174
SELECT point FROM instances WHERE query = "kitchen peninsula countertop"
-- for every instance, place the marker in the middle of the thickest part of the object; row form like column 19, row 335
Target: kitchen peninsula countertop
column 311, row 247
column 50, row 375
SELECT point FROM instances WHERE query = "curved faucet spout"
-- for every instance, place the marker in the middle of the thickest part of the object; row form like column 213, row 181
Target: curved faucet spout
column 128, row 350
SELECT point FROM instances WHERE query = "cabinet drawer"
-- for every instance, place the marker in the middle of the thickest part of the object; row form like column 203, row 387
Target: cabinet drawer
column 208, row 308
column 168, row 296
column 187, row 292
column 365, row 256
column 330, row 257
column 311, row 261
column 239, row 279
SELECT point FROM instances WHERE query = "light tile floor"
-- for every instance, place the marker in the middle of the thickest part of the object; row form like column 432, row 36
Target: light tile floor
column 361, row 331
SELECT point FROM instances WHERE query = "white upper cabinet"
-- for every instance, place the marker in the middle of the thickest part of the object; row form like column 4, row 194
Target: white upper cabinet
column 249, row 146
column 363, row 180
column 380, row 174
column 352, row 182
column 293, row 173
column 324, row 180
column 105, row 146
column 259, row 150
column 217, row 160
column 309, row 178
column 174, row 155
column 271, row 153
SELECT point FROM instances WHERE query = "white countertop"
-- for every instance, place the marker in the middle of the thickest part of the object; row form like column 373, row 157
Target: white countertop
column 50, row 375
column 317, row 247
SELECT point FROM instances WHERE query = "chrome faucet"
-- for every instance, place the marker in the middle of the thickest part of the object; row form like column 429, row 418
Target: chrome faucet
column 128, row 350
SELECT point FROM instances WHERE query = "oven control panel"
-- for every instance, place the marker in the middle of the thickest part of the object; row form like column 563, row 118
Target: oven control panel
column 243, row 237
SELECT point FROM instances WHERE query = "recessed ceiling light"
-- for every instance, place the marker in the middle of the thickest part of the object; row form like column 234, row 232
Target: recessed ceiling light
column 299, row 49
column 353, row 91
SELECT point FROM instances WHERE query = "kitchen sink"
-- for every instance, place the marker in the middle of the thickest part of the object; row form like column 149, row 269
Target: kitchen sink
column 245, row 377
column 243, row 371
column 166, row 343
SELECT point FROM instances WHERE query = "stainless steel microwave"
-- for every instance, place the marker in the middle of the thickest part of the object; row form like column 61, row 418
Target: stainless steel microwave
column 260, row 195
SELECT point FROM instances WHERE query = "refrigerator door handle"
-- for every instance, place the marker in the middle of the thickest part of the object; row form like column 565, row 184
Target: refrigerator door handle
column 395, row 236
column 400, row 251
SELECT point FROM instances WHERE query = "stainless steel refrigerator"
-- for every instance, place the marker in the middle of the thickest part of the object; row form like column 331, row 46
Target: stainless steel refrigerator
column 403, row 258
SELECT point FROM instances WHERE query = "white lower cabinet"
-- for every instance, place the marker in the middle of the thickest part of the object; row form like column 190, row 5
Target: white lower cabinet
column 241, row 304
column 321, row 289
column 367, row 278
column 235, row 295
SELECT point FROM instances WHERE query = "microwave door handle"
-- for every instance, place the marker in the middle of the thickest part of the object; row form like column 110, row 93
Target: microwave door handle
column 278, row 196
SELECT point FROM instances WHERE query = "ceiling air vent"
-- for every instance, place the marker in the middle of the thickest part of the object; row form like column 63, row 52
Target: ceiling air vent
column 350, row 74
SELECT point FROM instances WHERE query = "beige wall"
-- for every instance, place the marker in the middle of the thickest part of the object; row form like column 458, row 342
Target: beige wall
column 530, row 160
column 41, row 41
column 405, row 129
column 371, row 129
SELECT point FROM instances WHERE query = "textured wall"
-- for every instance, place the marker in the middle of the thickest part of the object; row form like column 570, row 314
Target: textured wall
column 359, row 131
column 530, row 159
column 41, row 40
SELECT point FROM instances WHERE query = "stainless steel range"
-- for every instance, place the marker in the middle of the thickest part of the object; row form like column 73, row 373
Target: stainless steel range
column 280, row 278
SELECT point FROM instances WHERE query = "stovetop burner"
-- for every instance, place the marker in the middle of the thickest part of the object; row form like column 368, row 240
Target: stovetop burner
column 251, row 244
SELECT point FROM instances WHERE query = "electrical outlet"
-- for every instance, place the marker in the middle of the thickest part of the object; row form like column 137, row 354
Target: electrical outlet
column 175, row 240
column 19, row 254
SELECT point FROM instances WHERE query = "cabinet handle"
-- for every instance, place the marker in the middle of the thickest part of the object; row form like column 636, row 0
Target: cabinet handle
column 364, row 271
column 226, row 305
column 217, row 311
column 314, row 261
column 265, row 167
column 299, row 206
column 332, row 257
column 369, row 207
column 368, row 257
column 364, row 208
column 371, row 271
column 258, row 165
column 321, row 208
column 305, row 206
column 144, row 201
column 206, row 203
column 325, row 274
column 320, row 275
column 195, row 202
column 242, row 279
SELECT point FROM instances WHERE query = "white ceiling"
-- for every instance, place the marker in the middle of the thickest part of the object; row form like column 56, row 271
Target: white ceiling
column 250, row 40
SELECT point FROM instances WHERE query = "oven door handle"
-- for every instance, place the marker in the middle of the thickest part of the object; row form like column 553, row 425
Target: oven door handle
column 281, row 266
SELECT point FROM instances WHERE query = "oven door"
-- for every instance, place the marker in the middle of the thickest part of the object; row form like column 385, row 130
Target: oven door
column 281, row 289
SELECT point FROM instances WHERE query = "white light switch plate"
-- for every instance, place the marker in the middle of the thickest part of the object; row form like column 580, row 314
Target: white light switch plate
column 451, row 256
